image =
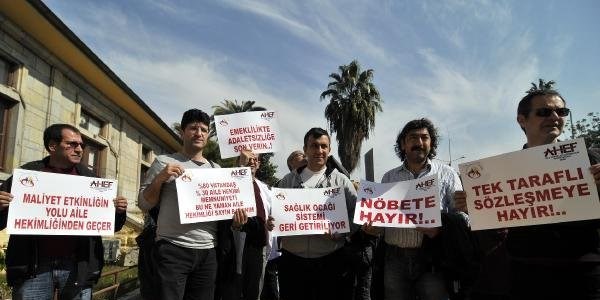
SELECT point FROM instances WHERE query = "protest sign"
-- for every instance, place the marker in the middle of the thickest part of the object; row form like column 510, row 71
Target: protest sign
column 214, row 194
column 540, row 185
column 404, row 204
column 257, row 131
column 58, row 204
column 309, row 211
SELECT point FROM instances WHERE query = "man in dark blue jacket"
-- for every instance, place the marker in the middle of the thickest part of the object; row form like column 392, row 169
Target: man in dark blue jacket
column 38, row 265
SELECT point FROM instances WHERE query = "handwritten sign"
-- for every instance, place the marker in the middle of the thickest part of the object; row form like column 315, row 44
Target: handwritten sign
column 57, row 204
column 545, row 184
column 309, row 211
column 214, row 194
column 405, row 204
column 257, row 131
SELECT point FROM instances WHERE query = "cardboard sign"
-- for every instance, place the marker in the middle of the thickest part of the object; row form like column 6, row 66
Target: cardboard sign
column 309, row 211
column 257, row 131
column 404, row 204
column 207, row 194
column 58, row 204
column 545, row 184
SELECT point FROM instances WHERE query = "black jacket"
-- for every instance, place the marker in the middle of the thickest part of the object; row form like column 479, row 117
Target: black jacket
column 22, row 252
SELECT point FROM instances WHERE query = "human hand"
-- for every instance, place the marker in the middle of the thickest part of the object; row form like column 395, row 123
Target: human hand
column 240, row 217
column 270, row 223
column 595, row 169
column 369, row 229
column 170, row 170
column 120, row 204
column 5, row 199
column 460, row 201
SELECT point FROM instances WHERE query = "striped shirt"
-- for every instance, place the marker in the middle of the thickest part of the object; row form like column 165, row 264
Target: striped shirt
column 449, row 183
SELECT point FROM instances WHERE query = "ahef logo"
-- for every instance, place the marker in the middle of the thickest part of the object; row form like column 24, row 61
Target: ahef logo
column 28, row 180
column 368, row 190
column 332, row 192
column 239, row 173
column 280, row 196
column 560, row 152
column 474, row 171
column 186, row 178
column 425, row 185
column 101, row 185
column 223, row 122
column 267, row 115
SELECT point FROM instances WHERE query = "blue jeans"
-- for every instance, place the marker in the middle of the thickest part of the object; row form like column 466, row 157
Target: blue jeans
column 407, row 274
column 54, row 275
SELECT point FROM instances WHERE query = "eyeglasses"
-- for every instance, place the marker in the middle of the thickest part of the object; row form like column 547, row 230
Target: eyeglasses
column 546, row 112
column 74, row 144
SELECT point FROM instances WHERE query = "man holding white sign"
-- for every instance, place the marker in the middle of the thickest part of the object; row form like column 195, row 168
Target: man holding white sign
column 37, row 265
column 186, row 259
column 409, row 267
column 561, row 260
column 315, row 266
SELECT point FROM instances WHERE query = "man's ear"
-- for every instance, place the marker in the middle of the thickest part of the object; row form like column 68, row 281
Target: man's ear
column 521, row 120
column 52, row 145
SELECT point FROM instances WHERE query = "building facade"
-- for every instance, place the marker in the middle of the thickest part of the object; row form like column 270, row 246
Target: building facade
column 47, row 76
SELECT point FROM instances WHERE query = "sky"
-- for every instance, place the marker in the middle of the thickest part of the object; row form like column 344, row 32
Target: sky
column 462, row 64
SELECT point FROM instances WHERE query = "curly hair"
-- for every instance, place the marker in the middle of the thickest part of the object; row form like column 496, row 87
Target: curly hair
column 413, row 125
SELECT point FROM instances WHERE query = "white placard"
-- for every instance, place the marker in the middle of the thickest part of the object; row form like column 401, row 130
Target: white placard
column 540, row 185
column 309, row 211
column 257, row 131
column 404, row 204
column 57, row 204
column 211, row 194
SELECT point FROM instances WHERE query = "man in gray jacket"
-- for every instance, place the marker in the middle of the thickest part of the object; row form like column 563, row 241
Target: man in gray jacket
column 316, row 266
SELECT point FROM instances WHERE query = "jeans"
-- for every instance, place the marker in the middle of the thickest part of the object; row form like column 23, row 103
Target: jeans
column 185, row 273
column 408, row 273
column 53, row 275
column 326, row 278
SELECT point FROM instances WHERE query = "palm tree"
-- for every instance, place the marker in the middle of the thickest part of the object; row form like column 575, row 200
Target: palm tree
column 353, row 102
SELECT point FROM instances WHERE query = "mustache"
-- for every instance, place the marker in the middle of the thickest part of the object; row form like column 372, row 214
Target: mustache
column 417, row 148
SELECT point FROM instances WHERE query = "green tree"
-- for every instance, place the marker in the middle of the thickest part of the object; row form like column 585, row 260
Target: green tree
column 266, row 171
column 353, row 102
column 587, row 128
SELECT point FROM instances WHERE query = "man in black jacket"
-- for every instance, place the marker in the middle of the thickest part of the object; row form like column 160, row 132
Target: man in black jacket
column 37, row 265
column 552, row 261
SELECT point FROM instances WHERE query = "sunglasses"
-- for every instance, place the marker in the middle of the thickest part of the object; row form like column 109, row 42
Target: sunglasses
column 546, row 112
column 75, row 144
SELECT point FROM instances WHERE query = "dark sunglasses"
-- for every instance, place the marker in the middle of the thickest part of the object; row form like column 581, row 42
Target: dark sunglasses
column 75, row 144
column 546, row 112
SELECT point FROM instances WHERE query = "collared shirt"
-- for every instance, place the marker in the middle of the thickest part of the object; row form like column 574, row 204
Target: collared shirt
column 449, row 183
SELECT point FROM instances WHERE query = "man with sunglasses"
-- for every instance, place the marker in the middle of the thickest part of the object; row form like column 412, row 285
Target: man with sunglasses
column 36, row 265
column 552, row 261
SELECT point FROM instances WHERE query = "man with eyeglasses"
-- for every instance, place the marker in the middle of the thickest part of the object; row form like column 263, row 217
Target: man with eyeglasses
column 37, row 265
column 552, row 261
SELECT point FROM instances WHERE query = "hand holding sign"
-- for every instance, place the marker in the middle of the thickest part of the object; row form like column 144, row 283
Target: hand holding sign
column 595, row 169
column 168, row 172
column 120, row 204
column 5, row 199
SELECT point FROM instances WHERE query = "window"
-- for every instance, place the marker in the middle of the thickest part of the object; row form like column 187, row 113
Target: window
column 93, row 125
column 4, row 110
column 92, row 154
column 146, row 154
column 7, row 72
column 143, row 170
